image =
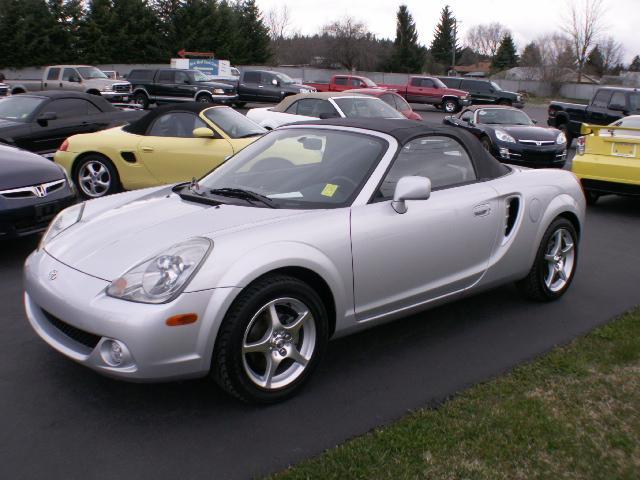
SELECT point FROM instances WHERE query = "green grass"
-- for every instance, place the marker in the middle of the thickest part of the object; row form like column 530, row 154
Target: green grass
column 572, row 414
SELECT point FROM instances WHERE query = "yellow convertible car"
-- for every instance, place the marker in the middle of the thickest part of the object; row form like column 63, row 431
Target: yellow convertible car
column 170, row 144
column 608, row 159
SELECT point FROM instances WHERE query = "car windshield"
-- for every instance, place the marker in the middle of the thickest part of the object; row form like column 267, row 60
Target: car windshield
column 284, row 78
column 234, row 124
column 198, row 76
column 91, row 72
column 19, row 108
column 301, row 168
column 438, row 83
column 363, row 107
column 496, row 87
column 503, row 116
column 369, row 83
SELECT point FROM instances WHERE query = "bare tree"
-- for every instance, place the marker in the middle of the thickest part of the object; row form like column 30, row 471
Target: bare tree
column 611, row 51
column 278, row 22
column 485, row 39
column 583, row 25
column 349, row 40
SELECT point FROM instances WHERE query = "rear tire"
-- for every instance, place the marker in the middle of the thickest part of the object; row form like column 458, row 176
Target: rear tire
column 95, row 176
column 554, row 265
column 261, row 360
column 204, row 98
column 141, row 99
column 450, row 105
column 486, row 144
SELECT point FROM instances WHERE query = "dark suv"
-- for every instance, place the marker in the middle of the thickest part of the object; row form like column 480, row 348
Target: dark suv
column 484, row 91
column 268, row 86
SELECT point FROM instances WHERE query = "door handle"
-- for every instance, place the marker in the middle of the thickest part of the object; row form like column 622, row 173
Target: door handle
column 147, row 149
column 482, row 210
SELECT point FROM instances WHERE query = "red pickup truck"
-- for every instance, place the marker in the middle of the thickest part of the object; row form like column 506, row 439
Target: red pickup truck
column 431, row 90
column 340, row 83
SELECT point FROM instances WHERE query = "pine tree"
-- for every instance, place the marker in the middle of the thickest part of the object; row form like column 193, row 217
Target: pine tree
column 407, row 55
column 252, row 46
column 635, row 64
column 531, row 56
column 444, row 40
column 68, row 15
column 96, row 33
column 506, row 56
column 135, row 33
column 595, row 62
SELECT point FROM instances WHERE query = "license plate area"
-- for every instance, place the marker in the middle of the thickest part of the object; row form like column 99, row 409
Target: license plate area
column 623, row 149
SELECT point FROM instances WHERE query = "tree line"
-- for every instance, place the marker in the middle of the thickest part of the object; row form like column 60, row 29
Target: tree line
column 40, row 32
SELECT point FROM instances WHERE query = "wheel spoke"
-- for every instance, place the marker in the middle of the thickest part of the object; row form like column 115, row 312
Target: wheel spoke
column 297, row 357
column 261, row 346
column 550, row 258
column 272, row 366
column 567, row 248
column 562, row 274
column 550, row 276
column 298, row 322
column 102, row 183
column 273, row 315
column 557, row 246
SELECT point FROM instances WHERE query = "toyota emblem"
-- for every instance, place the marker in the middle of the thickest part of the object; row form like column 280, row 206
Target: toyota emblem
column 53, row 274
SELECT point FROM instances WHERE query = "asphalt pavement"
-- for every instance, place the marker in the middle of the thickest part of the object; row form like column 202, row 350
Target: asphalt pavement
column 61, row 420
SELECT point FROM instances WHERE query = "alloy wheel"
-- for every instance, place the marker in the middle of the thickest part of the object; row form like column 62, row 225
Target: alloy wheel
column 94, row 179
column 560, row 258
column 278, row 343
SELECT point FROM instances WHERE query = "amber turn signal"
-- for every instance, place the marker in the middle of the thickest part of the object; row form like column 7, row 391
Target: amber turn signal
column 182, row 319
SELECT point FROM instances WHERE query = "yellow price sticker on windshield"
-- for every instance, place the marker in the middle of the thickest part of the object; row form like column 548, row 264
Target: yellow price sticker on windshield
column 329, row 190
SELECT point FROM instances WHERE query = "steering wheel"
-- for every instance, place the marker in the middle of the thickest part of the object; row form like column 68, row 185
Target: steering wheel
column 344, row 180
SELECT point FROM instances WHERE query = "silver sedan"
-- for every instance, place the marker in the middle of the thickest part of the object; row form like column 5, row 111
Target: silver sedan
column 312, row 232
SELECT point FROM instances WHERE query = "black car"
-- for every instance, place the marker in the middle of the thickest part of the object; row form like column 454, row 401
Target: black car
column 32, row 191
column 267, row 86
column 40, row 122
column 168, row 85
column 484, row 92
column 512, row 137
column 4, row 89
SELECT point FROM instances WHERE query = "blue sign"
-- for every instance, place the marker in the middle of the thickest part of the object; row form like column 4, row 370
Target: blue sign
column 208, row 66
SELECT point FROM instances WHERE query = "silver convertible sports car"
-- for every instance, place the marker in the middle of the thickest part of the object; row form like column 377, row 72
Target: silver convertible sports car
column 314, row 231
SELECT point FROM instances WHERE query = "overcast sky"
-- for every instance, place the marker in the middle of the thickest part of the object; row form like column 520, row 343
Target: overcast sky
column 527, row 19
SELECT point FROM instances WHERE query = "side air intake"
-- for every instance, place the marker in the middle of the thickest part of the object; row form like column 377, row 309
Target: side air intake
column 513, row 208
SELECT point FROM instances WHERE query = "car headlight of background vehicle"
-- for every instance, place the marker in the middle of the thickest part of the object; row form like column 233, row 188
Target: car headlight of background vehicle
column 504, row 136
column 218, row 91
column 65, row 219
column 108, row 88
column 561, row 138
column 163, row 277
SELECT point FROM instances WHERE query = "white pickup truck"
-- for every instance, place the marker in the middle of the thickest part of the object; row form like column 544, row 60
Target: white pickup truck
column 78, row 78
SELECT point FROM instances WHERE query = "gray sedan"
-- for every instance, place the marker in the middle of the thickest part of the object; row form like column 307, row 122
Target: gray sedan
column 312, row 232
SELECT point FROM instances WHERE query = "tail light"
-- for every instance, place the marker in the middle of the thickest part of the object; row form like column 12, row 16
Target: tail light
column 64, row 147
column 582, row 143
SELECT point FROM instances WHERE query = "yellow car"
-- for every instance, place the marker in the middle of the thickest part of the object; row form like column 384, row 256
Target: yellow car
column 170, row 144
column 608, row 160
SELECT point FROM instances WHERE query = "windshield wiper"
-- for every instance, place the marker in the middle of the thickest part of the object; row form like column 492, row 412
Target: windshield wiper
column 244, row 194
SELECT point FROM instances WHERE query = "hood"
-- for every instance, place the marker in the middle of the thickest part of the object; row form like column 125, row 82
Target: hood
column 104, row 82
column 109, row 240
column 19, row 168
column 523, row 132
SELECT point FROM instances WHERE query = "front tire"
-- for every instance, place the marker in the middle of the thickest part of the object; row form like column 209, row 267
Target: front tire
column 271, row 340
column 141, row 99
column 450, row 105
column 555, row 263
column 204, row 98
column 95, row 177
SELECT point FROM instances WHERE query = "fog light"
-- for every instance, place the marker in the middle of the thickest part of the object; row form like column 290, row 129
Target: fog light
column 504, row 153
column 113, row 352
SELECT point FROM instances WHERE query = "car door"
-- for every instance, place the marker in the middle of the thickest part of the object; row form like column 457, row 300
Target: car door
column 597, row 112
column 52, row 78
column 440, row 246
column 71, row 80
column 480, row 91
column 172, row 154
column 70, row 119
column 249, row 85
column 613, row 111
column 183, row 88
column 414, row 90
column 340, row 83
column 267, row 90
column 165, row 85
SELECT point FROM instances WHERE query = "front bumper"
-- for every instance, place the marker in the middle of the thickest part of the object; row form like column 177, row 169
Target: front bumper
column 27, row 216
column 224, row 99
column 117, row 97
column 541, row 157
column 70, row 311
column 465, row 102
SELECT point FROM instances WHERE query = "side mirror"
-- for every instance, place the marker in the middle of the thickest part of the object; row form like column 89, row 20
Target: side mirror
column 44, row 118
column 203, row 132
column 275, row 82
column 410, row 188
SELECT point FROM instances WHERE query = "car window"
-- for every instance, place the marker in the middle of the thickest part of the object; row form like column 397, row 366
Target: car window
column 68, row 73
column 141, row 75
column 341, row 81
column 452, row 82
column 302, row 168
column 53, row 74
column 389, row 100
column 443, row 160
column 480, row 87
column 427, row 83
column 503, row 116
column 181, row 77
column 68, row 107
column 307, row 106
column 234, row 124
column 293, row 108
column 618, row 98
column 175, row 124
column 401, row 103
column 415, row 82
column 166, row 76
column 634, row 101
column 601, row 100
column 19, row 107
column 366, row 107
column 251, row 77
column 356, row 82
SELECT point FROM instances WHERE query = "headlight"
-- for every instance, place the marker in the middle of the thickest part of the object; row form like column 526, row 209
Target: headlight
column 504, row 136
column 108, row 88
column 218, row 91
column 304, row 90
column 65, row 219
column 561, row 138
column 163, row 277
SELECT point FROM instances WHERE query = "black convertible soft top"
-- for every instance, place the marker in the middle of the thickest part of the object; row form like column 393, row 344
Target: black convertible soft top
column 404, row 131
column 139, row 127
